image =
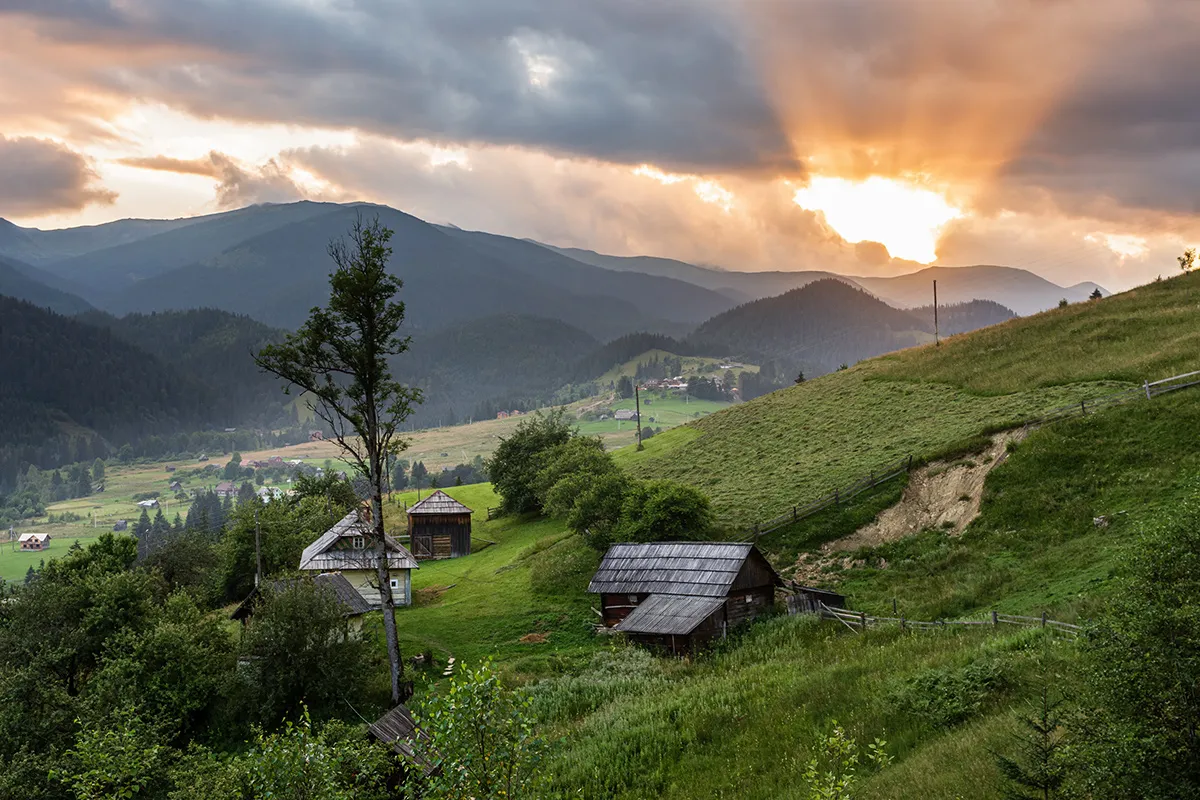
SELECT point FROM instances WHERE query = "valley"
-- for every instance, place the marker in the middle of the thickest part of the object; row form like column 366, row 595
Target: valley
column 761, row 407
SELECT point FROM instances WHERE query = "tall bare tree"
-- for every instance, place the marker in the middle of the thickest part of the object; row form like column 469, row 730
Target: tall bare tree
column 339, row 357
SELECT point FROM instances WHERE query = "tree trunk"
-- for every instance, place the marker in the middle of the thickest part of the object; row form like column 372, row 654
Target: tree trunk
column 384, row 572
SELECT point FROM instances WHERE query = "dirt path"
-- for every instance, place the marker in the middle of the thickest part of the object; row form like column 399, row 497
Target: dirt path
column 939, row 495
column 596, row 404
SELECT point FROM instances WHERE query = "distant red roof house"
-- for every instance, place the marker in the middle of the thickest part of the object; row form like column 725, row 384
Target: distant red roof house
column 501, row 415
column 316, row 436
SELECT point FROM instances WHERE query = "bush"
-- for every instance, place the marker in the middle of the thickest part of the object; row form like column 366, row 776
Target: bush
column 662, row 511
column 944, row 696
column 515, row 465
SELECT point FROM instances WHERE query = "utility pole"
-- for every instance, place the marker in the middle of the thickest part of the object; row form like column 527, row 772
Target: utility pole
column 937, row 339
column 257, row 549
column 637, row 402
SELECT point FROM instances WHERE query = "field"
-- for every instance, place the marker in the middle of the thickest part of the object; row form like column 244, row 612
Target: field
column 758, row 458
column 14, row 563
column 437, row 448
column 692, row 365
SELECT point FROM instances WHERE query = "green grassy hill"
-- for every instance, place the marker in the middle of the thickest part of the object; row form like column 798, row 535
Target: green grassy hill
column 759, row 458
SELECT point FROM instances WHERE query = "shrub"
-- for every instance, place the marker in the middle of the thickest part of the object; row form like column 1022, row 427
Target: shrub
column 662, row 510
column 515, row 465
column 944, row 696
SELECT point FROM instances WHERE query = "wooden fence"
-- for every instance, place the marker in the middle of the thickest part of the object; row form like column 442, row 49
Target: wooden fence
column 859, row 621
column 1147, row 390
column 837, row 496
column 492, row 513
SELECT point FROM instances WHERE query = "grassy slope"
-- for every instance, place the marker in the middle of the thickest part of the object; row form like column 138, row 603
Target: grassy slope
column 531, row 580
column 758, row 458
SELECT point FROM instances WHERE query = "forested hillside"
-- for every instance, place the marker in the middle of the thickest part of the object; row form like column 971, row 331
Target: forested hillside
column 211, row 347
column 64, row 379
column 963, row 317
column 22, row 282
column 815, row 328
column 495, row 363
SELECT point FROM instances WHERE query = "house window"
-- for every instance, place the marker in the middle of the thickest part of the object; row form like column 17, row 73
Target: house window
column 749, row 598
column 632, row 598
column 395, row 583
column 358, row 543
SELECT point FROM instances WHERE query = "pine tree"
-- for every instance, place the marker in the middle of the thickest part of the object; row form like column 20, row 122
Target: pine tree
column 177, row 525
column 1037, row 770
column 142, row 526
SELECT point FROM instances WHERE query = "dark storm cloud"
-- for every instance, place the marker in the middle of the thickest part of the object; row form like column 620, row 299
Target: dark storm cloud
column 38, row 176
column 623, row 80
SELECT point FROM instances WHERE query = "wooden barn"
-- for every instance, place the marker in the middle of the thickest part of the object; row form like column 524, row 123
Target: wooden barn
column 680, row 595
column 439, row 527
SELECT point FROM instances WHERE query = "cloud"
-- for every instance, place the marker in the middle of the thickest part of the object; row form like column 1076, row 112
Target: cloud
column 40, row 176
column 624, row 80
column 239, row 185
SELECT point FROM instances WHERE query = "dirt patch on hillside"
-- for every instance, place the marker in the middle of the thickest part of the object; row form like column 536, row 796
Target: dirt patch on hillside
column 534, row 638
column 942, row 495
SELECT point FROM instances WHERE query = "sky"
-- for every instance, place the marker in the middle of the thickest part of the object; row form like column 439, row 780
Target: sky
column 867, row 137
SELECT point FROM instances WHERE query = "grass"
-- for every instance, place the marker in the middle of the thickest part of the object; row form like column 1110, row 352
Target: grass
column 15, row 563
column 742, row 722
column 531, row 581
column 1035, row 544
column 759, row 458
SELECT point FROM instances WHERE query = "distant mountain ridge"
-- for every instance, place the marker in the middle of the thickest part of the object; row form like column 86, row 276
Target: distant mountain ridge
column 25, row 282
column 815, row 328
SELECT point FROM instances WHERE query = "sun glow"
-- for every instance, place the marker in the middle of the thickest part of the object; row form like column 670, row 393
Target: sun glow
column 904, row 218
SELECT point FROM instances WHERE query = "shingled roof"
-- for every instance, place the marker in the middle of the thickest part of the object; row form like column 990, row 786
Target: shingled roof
column 439, row 503
column 704, row 569
column 670, row 614
column 348, row 598
column 319, row 556
column 399, row 730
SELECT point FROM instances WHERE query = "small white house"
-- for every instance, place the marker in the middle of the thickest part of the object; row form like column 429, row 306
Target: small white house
column 346, row 548
column 148, row 503
column 625, row 414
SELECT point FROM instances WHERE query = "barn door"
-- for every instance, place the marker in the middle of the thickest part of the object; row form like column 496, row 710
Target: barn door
column 422, row 547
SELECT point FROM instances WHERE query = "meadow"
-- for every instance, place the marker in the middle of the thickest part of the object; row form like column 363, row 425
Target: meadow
column 759, row 458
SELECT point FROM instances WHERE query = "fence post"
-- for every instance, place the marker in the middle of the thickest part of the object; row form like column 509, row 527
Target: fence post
column 862, row 620
column 1043, row 619
column 836, row 497
column 995, row 620
column 908, row 466
column 1083, row 407
column 1146, row 385
column 901, row 622
column 793, row 513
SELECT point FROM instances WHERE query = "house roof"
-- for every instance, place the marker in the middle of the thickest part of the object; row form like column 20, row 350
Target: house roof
column 225, row 486
column 439, row 503
column 351, row 601
column 704, row 569
column 669, row 614
column 398, row 729
column 33, row 537
column 320, row 557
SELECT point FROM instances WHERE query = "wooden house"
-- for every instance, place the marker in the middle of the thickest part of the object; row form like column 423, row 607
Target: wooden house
column 226, row 489
column 353, row 604
column 347, row 548
column 439, row 527
column 398, row 730
column 34, row 541
column 680, row 595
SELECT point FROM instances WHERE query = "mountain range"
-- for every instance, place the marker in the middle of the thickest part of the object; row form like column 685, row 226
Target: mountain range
column 495, row 321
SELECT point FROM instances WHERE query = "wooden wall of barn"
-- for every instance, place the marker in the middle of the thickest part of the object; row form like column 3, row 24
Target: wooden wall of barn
column 440, row 535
